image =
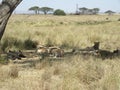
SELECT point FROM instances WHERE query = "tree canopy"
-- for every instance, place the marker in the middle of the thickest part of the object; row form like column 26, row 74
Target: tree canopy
column 85, row 11
column 96, row 10
column 109, row 12
column 35, row 9
column 59, row 12
column 45, row 10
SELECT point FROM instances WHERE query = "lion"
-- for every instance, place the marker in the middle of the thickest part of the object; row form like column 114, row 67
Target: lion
column 56, row 52
column 42, row 51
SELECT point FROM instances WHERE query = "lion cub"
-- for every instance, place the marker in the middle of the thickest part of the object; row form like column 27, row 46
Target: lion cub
column 56, row 52
column 50, row 51
column 42, row 51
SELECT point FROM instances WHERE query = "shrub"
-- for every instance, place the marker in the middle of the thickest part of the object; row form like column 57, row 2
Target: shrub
column 13, row 43
column 10, row 42
column 3, row 60
column 59, row 12
column 29, row 44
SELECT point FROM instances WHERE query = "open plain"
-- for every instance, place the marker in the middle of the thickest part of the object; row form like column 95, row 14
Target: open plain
column 76, row 72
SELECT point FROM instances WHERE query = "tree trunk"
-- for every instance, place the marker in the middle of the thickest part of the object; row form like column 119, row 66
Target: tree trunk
column 6, row 9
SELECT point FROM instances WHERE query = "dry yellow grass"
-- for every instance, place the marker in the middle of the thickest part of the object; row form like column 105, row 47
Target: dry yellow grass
column 72, row 73
column 76, row 73
column 71, row 31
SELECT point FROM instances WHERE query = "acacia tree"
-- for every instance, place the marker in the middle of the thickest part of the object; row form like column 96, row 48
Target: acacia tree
column 109, row 12
column 83, row 10
column 96, row 10
column 90, row 11
column 45, row 10
column 6, row 9
column 35, row 9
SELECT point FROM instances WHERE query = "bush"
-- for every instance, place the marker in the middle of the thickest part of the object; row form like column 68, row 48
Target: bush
column 13, row 43
column 59, row 12
column 3, row 60
column 29, row 44
column 10, row 42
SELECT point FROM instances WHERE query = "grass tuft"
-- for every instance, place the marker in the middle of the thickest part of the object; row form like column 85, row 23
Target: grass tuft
column 30, row 44
column 11, row 42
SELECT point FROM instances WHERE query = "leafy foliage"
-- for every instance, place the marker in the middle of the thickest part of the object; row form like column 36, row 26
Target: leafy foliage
column 85, row 10
column 59, row 12
column 45, row 10
column 35, row 9
column 109, row 12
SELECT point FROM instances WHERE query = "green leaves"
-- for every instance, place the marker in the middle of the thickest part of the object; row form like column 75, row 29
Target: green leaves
column 37, row 9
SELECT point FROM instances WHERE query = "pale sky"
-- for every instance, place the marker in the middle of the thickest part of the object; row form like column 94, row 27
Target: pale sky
column 70, row 5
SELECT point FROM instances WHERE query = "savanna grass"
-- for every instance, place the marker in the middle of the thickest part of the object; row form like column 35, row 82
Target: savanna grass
column 68, row 34
column 70, row 73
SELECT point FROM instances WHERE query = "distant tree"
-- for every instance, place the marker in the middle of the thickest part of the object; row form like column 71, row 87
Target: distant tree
column 83, row 10
column 59, row 12
column 45, row 10
column 96, row 10
column 90, row 11
column 109, row 12
column 35, row 9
